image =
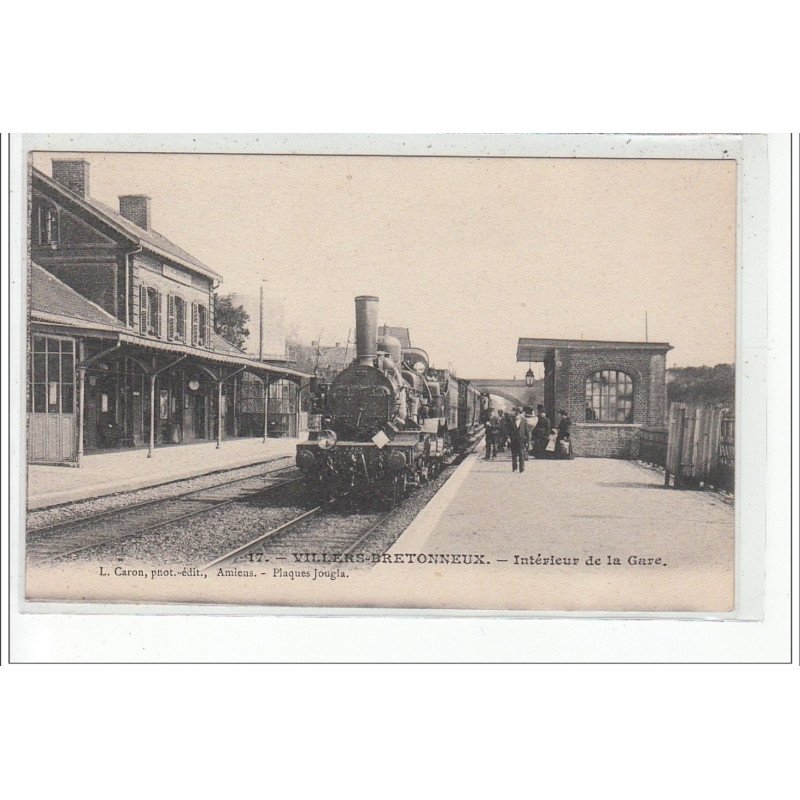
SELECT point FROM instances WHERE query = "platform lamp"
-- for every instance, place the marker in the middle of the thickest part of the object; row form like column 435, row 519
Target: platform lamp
column 529, row 374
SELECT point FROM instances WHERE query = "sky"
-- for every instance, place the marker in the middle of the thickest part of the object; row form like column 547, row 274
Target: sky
column 469, row 253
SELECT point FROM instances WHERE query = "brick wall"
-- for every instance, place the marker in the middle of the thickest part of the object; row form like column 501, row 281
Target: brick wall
column 605, row 440
column 72, row 174
column 578, row 366
column 657, row 416
column 94, row 277
column 81, row 256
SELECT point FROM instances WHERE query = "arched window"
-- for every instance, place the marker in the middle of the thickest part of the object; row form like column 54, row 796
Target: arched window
column 609, row 396
column 47, row 224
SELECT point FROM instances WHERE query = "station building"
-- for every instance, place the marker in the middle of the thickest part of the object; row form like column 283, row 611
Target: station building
column 121, row 342
column 612, row 391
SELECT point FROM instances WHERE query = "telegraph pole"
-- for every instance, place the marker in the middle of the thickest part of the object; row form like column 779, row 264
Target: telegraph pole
column 347, row 348
column 261, row 323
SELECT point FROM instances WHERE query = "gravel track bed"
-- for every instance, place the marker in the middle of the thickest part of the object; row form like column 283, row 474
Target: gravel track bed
column 85, row 508
column 124, row 521
column 388, row 532
column 336, row 532
column 198, row 540
column 332, row 532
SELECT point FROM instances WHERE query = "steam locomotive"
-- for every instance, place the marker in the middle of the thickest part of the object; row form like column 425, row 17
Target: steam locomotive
column 389, row 422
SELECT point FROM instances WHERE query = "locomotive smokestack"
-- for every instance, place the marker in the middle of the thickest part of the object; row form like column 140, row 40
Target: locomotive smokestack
column 366, row 329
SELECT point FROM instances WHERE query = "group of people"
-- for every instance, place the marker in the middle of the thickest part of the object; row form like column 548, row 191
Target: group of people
column 527, row 434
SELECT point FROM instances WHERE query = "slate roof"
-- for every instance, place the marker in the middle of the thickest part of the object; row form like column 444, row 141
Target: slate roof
column 52, row 301
column 51, row 297
column 148, row 239
column 224, row 346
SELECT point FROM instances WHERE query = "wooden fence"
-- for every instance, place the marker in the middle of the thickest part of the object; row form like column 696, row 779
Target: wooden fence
column 700, row 446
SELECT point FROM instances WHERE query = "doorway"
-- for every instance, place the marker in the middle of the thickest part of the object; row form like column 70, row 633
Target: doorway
column 198, row 406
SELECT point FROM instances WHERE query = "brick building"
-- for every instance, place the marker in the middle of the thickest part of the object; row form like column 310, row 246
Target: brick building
column 611, row 390
column 122, row 348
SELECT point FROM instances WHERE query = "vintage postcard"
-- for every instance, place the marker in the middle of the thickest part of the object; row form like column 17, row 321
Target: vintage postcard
column 406, row 373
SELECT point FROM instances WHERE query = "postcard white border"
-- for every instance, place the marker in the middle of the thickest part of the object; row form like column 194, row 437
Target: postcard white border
column 763, row 284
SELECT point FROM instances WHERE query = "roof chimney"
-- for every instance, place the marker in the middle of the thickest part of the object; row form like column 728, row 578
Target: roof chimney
column 72, row 174
column 136, row 208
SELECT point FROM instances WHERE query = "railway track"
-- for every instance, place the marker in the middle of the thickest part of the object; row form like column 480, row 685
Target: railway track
column 315, row 532
column 327, row 535
column 71, row 537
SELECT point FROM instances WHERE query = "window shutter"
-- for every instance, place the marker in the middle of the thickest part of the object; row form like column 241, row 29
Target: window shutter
column 142, row 308
column 157, row 315
column 170, row 317
column 201, row 323
column 195, row 324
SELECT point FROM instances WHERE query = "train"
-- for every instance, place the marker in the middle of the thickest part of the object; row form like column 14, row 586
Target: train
column 389, row 422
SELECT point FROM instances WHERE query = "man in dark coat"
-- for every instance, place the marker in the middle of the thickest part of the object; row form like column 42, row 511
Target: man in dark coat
column 517, row 432
column 500, row 432
column 491, row 426
column 540, row 433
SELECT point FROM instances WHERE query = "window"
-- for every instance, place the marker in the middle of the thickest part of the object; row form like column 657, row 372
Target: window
column 200, row 327
column 151, row 310
column 176, row 318
column 163, row 404
column 283, row 397
column 195, row 324
column 180, row 319
column 143, row 310
column 609, row 397
column 52, row 376
column 47, row 223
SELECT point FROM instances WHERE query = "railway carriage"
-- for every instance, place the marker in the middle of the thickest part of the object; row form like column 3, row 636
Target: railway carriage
column 470, row 404
column 388, row 422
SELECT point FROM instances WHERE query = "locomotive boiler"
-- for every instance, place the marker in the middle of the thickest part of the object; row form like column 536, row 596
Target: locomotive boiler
column 386, row 422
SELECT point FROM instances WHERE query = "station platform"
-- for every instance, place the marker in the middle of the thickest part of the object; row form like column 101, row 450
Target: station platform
column 126, row 470
column 560, row 536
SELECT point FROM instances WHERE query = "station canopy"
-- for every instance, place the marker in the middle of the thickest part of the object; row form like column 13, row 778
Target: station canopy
column 544, row 349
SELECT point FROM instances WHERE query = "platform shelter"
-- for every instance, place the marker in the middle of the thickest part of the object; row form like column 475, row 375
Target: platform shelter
column 611, row 390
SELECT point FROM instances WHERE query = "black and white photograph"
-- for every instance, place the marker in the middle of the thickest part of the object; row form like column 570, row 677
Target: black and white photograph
column 384, row 380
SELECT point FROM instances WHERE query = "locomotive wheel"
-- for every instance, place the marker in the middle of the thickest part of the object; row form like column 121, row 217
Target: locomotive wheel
column 323, row 496
column 318, row 491
column 399, row 485
column 312, row 485
column 386, row 495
